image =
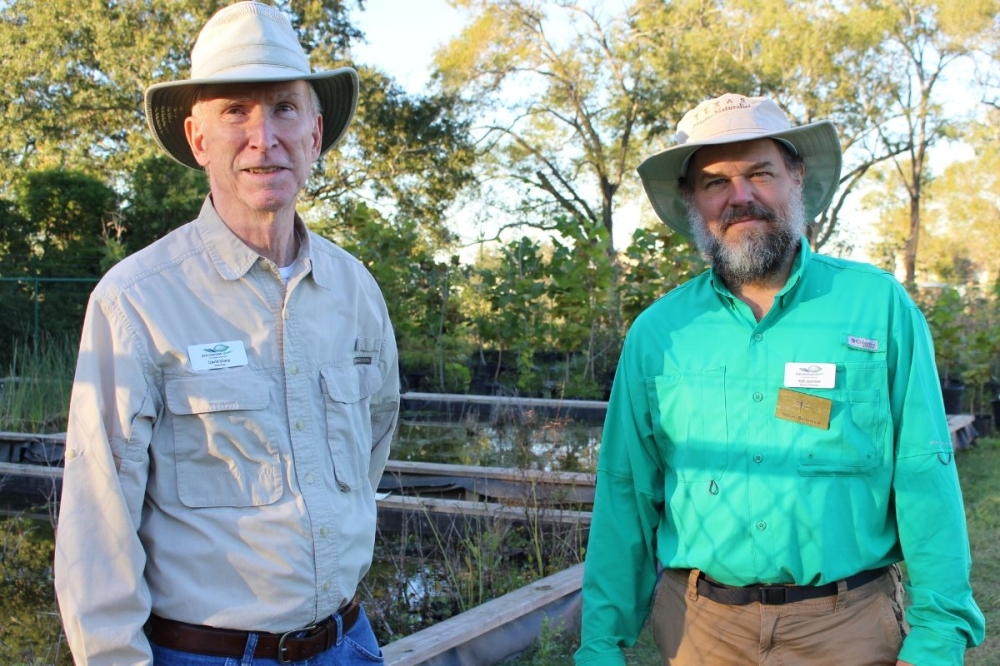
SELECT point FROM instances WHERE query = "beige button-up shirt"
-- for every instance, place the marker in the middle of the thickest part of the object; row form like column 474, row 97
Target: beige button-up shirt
column 226, row 435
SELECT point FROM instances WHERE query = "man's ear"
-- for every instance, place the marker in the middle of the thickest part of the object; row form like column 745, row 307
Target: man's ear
column 799, row 175
column 318, row 137
column 196, row 140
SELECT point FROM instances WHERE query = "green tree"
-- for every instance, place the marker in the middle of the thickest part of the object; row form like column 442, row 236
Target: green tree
column 510, row 321
column 928, row 38
column 408, row 154
column 566, row 144
column 72, row 75
column 64, row 225
column 421, row 292
column 962, row 213
column 162, row 195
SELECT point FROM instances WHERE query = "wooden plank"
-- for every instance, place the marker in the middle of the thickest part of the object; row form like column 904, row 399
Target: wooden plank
column 35, row 471
column 503, row 400
column 433, row 642
column 480, row 509
column 53, row 438
column 962, row 430
column 503, row 473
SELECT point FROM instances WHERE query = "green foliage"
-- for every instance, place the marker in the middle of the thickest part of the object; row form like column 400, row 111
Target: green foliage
column 965, row 327
column 420, row 291
column 943, row 309
column 70, row 214
column 30, row 631
column 65, row 225
column 162, row 195
column 658, row 260
column 413, row 153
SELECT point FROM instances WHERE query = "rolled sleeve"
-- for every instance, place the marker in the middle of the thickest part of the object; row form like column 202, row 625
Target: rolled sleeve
column 385, row 405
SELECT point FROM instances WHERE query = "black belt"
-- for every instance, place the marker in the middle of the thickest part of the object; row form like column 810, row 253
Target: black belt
column 287, row 647
column 773, row 595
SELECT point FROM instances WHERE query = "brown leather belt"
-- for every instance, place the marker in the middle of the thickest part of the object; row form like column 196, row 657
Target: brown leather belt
column 773, row 595
column 287, row 647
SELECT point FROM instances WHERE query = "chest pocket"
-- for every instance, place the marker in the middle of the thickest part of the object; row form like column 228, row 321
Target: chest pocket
column 348, row 391
column 222, row 450
column 855, row 442
column 689, row 422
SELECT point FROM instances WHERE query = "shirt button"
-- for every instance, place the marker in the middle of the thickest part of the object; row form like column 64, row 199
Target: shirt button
column 758, row 458
column 299, row 426
column 326, row 587
column 758, row 337
column 324, row 531
column 309, row 477
column 757, row 397
column 294, row 369
column 761, row 525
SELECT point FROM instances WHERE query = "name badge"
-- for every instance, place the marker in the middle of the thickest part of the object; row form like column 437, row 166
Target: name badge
column 810, row 410
column 810, row 375
column 216, row 355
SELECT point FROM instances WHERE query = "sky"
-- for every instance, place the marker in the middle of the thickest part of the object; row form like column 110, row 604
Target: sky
column 402, row 36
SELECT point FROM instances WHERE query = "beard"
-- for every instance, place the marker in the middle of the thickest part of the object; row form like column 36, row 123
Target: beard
column 760, row 254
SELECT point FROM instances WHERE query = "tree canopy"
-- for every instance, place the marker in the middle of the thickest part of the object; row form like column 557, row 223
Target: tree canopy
column 537, row 114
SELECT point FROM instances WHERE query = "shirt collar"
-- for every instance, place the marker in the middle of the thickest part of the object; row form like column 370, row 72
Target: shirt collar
column 231, row 256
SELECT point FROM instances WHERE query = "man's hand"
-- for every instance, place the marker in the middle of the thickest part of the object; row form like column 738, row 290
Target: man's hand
column 900, row 662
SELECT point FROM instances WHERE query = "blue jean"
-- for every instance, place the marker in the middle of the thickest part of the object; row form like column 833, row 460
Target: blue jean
column 357, row 647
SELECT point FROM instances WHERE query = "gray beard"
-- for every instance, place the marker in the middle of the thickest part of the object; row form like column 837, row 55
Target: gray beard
column 758, row 256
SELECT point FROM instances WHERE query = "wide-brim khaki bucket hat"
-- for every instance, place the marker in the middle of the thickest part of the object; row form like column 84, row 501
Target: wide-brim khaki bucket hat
column 247, row 42
column 729, row 119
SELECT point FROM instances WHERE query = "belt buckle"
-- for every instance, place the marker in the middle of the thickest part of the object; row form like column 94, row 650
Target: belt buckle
column 284, row 637
column 772, row 595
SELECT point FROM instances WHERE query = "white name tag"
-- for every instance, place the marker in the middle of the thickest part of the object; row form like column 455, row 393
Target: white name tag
column 215, row 355
column 810, row 375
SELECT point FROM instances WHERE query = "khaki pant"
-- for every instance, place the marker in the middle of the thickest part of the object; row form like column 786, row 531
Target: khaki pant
column 860, row 627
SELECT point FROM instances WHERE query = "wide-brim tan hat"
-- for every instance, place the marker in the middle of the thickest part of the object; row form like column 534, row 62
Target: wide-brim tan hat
column 729, row 119
column 247, row 42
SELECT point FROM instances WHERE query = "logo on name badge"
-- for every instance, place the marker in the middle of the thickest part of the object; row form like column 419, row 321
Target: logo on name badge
column 217, row 355
column 811, row 375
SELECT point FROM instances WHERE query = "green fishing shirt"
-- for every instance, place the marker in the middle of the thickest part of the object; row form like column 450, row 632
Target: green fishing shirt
column 697, row 471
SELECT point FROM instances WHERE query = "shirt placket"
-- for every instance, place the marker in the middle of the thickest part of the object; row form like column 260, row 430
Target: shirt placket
column 307, row 436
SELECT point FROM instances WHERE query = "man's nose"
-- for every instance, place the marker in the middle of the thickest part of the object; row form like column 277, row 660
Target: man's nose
column 741, row 192
column 261, row 130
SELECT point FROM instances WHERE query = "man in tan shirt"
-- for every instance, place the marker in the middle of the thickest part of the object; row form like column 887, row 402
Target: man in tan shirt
column 236, row 391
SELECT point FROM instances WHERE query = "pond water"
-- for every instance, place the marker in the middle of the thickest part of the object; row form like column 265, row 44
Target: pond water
column 529, row 442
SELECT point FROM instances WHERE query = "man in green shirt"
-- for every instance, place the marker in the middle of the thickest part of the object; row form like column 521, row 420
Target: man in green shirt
column 775, row 440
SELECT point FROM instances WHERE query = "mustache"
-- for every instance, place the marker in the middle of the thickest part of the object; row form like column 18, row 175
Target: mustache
column 751, row 211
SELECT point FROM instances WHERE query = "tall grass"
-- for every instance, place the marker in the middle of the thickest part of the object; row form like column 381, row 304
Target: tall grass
column 34, row 394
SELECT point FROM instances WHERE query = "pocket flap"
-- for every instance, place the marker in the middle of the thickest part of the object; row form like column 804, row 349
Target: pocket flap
column 351, row 383
column 216, row 393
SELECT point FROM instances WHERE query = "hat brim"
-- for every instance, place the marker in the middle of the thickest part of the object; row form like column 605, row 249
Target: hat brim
column 816, row 143
column 169, row 104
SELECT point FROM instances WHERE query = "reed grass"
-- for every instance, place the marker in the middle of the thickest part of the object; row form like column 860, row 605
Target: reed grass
column 34, row 394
